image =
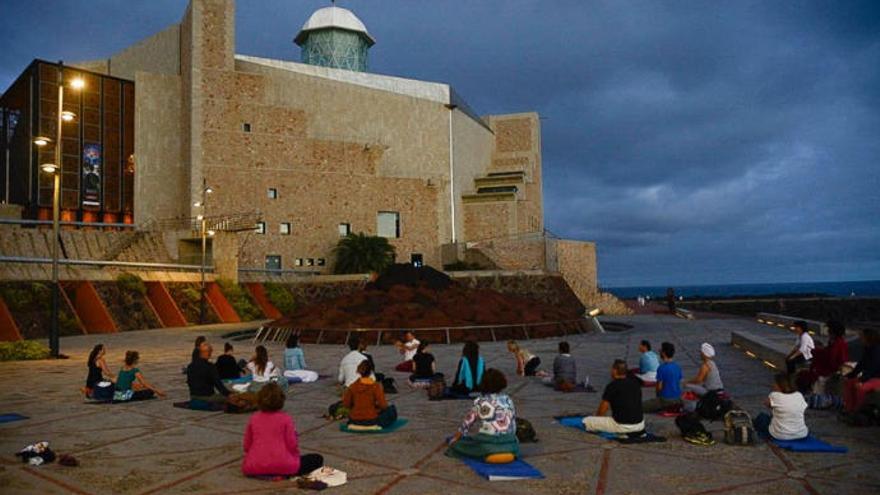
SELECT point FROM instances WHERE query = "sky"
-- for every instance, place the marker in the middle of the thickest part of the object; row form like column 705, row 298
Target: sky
column 695, row 142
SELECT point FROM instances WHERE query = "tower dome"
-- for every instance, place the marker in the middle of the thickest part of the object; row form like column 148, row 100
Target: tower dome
column 335, row 37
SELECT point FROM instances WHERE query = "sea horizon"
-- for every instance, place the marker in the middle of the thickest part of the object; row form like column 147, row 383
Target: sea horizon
column 846, row 288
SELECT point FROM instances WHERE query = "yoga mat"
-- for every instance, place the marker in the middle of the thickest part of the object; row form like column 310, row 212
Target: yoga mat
column 809, row 444
column 516, row 470
column 198, row 405
column 398, row 424
column 10, row 417
column 578, row 423
column 93, row 401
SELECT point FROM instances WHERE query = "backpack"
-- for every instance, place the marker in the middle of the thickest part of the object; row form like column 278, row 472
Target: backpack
column 337, row 411
column 437, row 388
column 525, row 432
column 388, row 386
column 738, row 428
column 712, row 407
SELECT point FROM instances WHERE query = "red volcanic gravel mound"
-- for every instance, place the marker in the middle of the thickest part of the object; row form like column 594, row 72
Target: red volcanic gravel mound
column 410, row 297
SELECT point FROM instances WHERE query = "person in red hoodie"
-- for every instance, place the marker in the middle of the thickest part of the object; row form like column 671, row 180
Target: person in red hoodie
column 271, row 447
column 827, row 360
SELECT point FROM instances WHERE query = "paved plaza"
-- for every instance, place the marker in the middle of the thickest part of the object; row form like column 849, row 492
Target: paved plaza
column 151, row 447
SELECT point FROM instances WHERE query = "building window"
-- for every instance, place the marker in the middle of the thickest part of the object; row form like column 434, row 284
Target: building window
column 261, row 227
column 285, row 228
column 273, row 262
column 298, row 262
column 416, row 259
column 246, row 127
column 344, row 229
column 310, row 262
column 388, row 224
column 272, row 193
column 321, row 262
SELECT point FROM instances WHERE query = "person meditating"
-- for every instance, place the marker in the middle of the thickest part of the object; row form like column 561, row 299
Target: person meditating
column 408, row 348
column 202, row 378
column 787, row 419
column 227, row 366
column 624, row 397
column 348, row 367
column 131, row 384
column 99, row 372
column 471, row 368
column 708, row 378
column 564, row 376
column 366, row 402
column 425, row 368
column 648, row 363
column 865, row 377
column 668, row 382
column 271, row 444
column 802, row 353
column 495, row 441
column 295, row 362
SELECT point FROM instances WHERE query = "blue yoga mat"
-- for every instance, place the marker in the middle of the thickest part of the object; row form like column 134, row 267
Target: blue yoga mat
column 809, row 444
column 10, row 417
column 516, row 470
column 578, row 422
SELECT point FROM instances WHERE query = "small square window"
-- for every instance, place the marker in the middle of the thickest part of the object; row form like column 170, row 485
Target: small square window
column 298, row 262
column 273, row 262
column 344, row 229
column 285, row 228
column 321, row 262
column 246, row 127
column 272, row 193
column 261, row 227
column 310, row 262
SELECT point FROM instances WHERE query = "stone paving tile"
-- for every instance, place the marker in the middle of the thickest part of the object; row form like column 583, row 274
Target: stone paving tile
column 150, row 447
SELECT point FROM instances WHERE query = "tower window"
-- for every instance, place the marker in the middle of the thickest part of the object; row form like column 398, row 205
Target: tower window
column 261, row 227
column 246, row 127
column 388, row 224
column 285, row 228
column 344, row 229
column 273, row 262
column 298, row 262
column 272, row 193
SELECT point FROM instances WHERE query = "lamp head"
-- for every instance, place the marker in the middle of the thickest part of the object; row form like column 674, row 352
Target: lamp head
column 49, row 168
column 41, row 140
column 67, row 116
column 77, row 83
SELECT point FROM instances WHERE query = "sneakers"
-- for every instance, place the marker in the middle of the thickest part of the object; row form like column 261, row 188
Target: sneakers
column 701, row 438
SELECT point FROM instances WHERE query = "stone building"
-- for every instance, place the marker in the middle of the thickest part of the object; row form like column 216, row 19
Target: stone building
column 320, row 148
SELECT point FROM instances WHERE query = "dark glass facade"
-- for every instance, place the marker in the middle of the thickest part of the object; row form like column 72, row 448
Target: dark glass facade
column 97, row 183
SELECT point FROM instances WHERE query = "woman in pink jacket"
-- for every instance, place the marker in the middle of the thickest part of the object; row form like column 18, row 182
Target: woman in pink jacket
column 270, row 441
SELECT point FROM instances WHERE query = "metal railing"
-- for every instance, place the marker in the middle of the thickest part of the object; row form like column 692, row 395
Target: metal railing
column 103, row 263
column 96, row 225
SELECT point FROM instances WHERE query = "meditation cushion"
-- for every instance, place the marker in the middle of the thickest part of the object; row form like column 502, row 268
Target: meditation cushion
column 500, row 458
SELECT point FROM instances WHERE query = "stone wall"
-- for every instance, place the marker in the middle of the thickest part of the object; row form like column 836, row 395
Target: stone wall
column 512, row 253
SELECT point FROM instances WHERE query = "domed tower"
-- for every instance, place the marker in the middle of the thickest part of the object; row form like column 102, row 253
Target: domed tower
column 335, row 37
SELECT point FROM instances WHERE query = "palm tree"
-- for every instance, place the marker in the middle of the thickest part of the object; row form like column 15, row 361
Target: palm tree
column 362, row 253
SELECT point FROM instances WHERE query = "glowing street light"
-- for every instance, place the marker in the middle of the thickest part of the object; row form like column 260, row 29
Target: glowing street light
column 49, row 168
column 68, row 116
column 41, row 141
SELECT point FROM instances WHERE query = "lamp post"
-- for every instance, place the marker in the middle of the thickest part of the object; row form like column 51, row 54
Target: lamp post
column 55, row 169
column 203, row 232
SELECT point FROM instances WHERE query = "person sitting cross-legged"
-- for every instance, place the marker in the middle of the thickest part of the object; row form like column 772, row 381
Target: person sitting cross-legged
column 787, row 419
column 424, row 364
column 227, row 366
column 708, row 378
column 271, row 444
column 624, row 397
column 366, row 402
column 131, row 384
column 203, row 379
column 471, row 368
column 564, row 370
column 668, row 382
column 496, row 440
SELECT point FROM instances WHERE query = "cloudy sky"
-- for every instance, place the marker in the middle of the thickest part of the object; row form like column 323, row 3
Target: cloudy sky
column 695, row 142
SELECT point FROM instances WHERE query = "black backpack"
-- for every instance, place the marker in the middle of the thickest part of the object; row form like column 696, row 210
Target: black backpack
column 525, row 432
column 712, row 407
column 690, row 425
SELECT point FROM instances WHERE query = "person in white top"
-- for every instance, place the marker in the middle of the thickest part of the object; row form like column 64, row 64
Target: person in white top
column 348, row 366
column 407, row 348
column 802, row 352
column 787, row 419
column 260, row 368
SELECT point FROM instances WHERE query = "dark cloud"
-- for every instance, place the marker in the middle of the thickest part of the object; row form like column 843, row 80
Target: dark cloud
column 695, row 142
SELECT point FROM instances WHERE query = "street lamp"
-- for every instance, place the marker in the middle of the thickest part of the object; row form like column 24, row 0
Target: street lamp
column 55, row 169
column 204, row 233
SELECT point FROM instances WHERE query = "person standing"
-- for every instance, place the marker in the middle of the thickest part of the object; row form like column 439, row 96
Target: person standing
column 802, row 352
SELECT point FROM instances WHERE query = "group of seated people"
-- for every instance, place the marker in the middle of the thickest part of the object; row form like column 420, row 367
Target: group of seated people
column 129, row 384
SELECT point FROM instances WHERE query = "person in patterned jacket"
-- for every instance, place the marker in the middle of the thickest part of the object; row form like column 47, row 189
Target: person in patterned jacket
column 496, row 415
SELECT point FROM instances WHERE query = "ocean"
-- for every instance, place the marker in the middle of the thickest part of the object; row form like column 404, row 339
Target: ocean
column 859, row 288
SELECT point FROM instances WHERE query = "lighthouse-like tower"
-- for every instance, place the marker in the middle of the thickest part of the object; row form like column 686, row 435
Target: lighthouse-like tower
column 335, row 37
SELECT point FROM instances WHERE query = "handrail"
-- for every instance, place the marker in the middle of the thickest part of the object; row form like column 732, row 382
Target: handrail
column 280, row 271
column 131, row 264
column 428, row 329
column 15, row 221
